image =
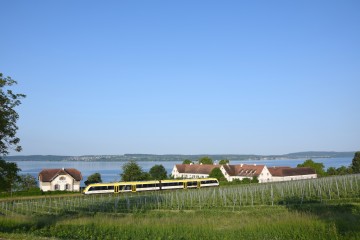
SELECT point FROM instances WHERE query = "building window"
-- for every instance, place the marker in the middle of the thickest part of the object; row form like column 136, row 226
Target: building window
column 67, row 186
column 62, row 178
column 57, row 187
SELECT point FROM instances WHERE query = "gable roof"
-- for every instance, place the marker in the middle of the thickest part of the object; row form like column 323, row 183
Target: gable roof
column 244, row 170
column 47, row 175
column 288, row 171
column 196, row 168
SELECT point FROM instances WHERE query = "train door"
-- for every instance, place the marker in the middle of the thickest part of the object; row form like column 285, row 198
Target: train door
column 185, row 185
column 116, row 189
column 198, row 184
column 133, row 188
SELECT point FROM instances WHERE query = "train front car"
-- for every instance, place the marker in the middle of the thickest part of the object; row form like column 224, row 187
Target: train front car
column 97, row 188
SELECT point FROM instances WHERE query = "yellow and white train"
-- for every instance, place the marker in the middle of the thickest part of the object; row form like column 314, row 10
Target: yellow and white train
column 122, row 187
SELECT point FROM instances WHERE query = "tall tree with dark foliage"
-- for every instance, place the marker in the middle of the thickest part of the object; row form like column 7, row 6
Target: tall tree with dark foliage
column 8, row 139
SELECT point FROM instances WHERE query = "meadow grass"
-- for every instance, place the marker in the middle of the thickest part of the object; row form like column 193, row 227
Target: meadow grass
column 312, row 221
column 314, row 209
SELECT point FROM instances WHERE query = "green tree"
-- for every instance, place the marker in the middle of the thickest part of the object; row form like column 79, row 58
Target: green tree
column 93, row 178
column 318, row 167
column 158, row 172
column 342, row 170
column 26, row 182
column 355, row 164
column 246, row 181
column 217, row 173
column 255, row 179
column 8, row 175
column 8, row 116
column 205, row 160
column 187, row 161
column 224, row 161
column 8, row 139
column 331, row 171
column 132, row 172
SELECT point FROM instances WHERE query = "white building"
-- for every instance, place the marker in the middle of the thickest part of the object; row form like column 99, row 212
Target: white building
column 280, row 174
column 241, row 171
column 67, row 179
column 192, row 170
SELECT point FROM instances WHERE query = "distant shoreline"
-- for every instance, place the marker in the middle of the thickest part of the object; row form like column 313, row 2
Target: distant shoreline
column 177, row 157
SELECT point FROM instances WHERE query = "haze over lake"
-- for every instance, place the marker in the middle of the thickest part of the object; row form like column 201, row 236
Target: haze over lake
column 110, row 171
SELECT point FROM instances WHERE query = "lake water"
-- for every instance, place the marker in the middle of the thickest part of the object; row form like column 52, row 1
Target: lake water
column 110, row 171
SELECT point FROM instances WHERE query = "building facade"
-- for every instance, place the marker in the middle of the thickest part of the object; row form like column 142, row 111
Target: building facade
column 242, row 171
column 64, row 179
column 280, row 174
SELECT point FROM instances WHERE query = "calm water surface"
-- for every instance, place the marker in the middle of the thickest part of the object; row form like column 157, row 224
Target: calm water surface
column 110, row 171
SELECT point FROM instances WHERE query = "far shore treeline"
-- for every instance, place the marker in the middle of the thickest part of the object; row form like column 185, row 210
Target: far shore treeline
column 179, row 157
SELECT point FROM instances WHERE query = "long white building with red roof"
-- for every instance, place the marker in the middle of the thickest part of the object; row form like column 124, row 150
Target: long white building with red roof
column 242, row 171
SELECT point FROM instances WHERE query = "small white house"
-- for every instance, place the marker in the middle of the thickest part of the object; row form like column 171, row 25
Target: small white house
column 63, row 179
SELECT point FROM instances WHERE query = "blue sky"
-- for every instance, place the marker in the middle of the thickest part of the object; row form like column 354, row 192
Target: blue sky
column 184, row 77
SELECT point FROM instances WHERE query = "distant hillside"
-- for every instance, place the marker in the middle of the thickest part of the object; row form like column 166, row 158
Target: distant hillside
column 315, row 154
column 178, row 157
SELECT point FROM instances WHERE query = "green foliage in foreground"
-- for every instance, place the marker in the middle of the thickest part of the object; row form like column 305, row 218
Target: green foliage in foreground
column 313, row 221
column 326, row 208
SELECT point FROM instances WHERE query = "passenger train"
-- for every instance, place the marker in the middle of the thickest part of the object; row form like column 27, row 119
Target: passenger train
column 122, row 187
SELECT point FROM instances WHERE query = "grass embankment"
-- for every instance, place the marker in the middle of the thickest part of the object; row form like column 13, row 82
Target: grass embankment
column 310, row 221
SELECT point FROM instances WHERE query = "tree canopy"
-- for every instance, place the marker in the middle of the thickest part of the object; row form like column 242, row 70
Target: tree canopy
column 355, row 164
column 205, row 160
column 26, row 182
column 8, row 175
column 8, row 116
column 318, row 167
column 93, row 178
column 216, row 173
column 224, row 161
column 158, row 172
column 187, row 161
column 133, row 172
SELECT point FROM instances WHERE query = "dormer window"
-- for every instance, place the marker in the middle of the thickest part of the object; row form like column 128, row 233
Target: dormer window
column 62, row 178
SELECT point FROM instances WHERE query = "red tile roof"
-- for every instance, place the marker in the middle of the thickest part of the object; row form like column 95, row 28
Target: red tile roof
column 196, row 168
column 47, row 175
column 288, row 171
column 244, row 170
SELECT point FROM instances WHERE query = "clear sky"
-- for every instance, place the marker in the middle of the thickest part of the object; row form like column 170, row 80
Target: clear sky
column 184, row 77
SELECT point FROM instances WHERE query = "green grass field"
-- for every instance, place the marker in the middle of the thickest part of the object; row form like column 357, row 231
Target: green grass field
column 326, row 208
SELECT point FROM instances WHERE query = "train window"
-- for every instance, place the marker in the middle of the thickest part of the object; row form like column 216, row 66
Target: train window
column 172, row 184
column 192, row 183
column 91, row 189
column 111, row 187
column 127, row 187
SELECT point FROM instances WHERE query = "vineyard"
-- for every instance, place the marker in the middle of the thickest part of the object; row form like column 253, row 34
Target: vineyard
column 231, row 198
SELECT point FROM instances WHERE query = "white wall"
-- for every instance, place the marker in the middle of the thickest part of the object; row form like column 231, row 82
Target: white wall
column 291, row 178
column 60, row 180
column 265, row 175
column 175, row 173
